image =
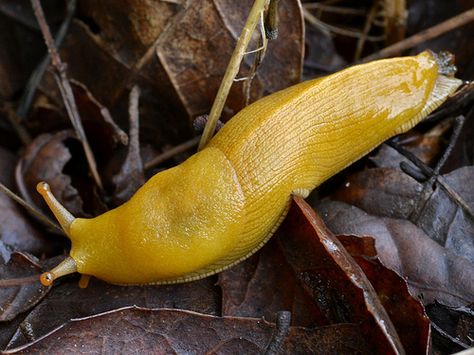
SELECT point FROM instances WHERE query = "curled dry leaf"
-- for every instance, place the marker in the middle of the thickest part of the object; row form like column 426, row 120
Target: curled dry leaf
column 19, row 286
column 66, row 301
column 391, row 193
column 45, row 159
column 97, row 121
column 432, row 272
column 16, row 230
column 142, row 330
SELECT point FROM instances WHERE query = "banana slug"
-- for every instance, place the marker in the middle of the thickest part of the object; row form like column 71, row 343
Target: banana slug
column 224, row 202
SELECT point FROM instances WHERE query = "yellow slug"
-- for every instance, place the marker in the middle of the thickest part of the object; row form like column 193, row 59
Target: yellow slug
column 223, row 203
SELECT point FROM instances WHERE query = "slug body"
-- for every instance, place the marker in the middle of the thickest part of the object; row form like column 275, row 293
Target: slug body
column 223, row 203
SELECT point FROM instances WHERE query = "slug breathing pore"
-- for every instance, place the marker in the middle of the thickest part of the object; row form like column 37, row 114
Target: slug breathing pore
column 223, row 203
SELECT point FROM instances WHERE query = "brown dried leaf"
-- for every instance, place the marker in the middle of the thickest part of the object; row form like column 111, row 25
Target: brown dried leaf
column 45, row 159
column 265, row 284
column 195, row 53
column 67, row 301
column 406, row 312
column 178, row 68
column 16, row 230
column 453, row 328
column 97, row 121
column 141, row 330
column 21, row 46
column 391, row 193
column 306, row 276
column 19, row 286
column 432, row 272
column 333, row 278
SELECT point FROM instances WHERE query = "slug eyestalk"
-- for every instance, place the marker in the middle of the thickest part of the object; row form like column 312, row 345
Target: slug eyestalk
column 65, row 219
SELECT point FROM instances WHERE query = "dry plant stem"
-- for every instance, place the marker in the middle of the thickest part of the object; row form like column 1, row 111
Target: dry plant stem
column 232, row 70
column 334, row 9
column 20, row 281
column 172, row 152
column 348, row 32
column 367, row 26
column 35, row 78
column 262, row 45
column 30, row 208
column 434, row 174
column 133, row 111
column 395, row 20
column 66, row 90
column 446, row 335
column 423, row 36
column 15, row 122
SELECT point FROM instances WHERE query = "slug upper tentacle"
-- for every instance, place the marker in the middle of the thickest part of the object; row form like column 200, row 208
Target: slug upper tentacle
column 223, row 203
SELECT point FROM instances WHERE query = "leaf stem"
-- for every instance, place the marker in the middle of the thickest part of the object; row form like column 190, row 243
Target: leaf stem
column 66, row 90
column 232, row 70
column 30, row 208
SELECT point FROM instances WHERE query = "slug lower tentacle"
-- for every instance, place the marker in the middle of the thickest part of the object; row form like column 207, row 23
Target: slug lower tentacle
column 223, row 203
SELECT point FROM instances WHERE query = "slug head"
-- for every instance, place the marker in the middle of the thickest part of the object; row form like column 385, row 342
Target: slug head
column 184, row 223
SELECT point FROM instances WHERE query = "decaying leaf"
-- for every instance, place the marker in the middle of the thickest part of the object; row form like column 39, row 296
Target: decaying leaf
column 16, row 230
column 391, row 193
column 249, row 289
column 176, row 58
column 142, row 330
column 314, row 282
column 19, row 286
column 66, row 301
column 432, row 271
column 44, row 160
column 453, row 328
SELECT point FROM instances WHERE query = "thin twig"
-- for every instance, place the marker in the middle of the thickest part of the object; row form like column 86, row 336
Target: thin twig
column 445, row 334
column 172, row 152
column 367, row 27
column 66, row 90
column 15, row 122
column 426, row 35
column 434, row 175
column 395, row 20
column 38, row 214
column 232, row 70
column 260, row 54
column 35, row 77
column 334, row 9
column 348, row 32
column 19, row 281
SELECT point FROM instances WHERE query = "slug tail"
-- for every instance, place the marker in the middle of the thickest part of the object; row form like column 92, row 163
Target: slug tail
column 64, row 217
column 443, row 88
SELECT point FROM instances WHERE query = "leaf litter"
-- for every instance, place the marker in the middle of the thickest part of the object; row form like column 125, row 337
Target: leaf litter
column 336, row 302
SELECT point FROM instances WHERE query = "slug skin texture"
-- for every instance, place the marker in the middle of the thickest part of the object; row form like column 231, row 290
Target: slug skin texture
column 224, row 203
